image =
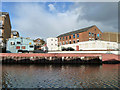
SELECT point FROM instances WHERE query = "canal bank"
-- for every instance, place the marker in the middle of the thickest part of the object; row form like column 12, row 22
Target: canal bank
column 58, row 58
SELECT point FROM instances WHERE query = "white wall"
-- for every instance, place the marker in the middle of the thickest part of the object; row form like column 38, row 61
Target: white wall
column 52, row 44
column 93, row 45
column 113, row 52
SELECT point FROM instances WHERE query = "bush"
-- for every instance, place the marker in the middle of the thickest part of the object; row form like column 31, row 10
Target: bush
column 70, row 49
column 63, row 49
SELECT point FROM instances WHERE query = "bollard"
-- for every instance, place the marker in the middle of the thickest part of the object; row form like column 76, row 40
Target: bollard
column 62, row 58
column 100, row 57
column 50, row 58
column 82, row 58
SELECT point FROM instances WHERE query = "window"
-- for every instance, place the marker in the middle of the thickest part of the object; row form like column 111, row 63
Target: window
column 77, row 35
column 14, row 33
column 66, row 42
column 51, row 39
column 60, row 43
column 92, row 39
column 69, row 37
column 77, row 40
column 73, row 41
column 23, row 47
column 31, row 46
column 60, row 38
column 17, row 47
column 12, row 43
column 73, row 35
column 89, row 33
column 98, row 35
column 92, row 34
column 0, row 32
column 69, row 42
column 89, row 39
column 63, row 43
column 51, row 44
column 18, row 43
column 63, row 38
column 66, row 38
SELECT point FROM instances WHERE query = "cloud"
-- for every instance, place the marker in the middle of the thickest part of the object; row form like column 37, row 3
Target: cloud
column 51, row 7
column 105, row 13
column 33, row 20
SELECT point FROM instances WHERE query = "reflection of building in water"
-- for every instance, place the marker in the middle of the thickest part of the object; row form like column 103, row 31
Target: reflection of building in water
column 14, row 34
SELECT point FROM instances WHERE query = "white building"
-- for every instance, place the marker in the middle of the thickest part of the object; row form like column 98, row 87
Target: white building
column 92, row 45
column 52, row 44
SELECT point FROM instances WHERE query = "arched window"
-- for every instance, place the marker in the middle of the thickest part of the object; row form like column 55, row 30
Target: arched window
column 69, row 37
column 98, row 35
column 89, row 33
column 92, row 34
column 73, row 35
column 77, row 35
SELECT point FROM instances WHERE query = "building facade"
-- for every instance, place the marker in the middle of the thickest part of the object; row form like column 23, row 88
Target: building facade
column 5, row 27
column 92, row 46
column 14, row 34
column 111, row 36
column 16, row 45
column 52, row 44
column 38, row 43
column 86, row 34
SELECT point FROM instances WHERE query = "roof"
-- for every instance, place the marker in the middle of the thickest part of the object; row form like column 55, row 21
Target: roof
column 76, row 31
column 14, row 31
column 3, row 13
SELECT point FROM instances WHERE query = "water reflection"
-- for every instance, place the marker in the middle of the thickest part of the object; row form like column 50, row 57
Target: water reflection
column 60, row 76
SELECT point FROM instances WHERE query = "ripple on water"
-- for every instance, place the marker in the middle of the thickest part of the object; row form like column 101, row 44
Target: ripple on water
column 65, row 76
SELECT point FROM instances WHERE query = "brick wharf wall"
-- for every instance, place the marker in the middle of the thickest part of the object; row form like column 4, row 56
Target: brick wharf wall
column 111, row 36
column 83, row 36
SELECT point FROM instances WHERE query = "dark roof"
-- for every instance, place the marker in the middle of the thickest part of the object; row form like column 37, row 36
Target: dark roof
column 76, row 31
column 3, row 13
column 14, row 31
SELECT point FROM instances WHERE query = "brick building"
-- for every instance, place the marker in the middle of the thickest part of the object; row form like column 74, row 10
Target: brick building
column 111, row 36
column 5, row 29
column 86, row 34
column 38, row 43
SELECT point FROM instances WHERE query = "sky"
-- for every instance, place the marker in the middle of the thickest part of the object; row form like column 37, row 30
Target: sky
column 50, row 19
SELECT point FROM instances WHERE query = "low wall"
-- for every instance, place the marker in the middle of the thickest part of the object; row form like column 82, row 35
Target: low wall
column 104, row 57
column 90, row 52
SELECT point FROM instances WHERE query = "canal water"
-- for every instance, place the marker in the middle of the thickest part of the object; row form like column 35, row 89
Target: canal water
column 60, row 76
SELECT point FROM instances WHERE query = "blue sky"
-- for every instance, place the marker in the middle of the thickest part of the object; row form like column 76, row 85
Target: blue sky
column 50, row 19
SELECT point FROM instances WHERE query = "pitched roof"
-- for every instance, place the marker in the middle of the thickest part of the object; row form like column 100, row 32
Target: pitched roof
column 76, row 31
column 14, row 31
